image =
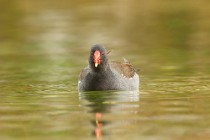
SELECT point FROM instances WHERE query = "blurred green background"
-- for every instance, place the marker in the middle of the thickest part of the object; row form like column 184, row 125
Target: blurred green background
column 164, row 34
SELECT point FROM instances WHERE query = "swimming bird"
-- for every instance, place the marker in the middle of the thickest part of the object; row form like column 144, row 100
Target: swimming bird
column 102, row 74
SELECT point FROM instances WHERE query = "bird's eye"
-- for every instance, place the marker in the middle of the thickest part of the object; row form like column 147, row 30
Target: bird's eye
column 102, row 53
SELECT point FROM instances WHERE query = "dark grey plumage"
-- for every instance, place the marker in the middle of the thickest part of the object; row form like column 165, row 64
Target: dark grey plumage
column 107, row 75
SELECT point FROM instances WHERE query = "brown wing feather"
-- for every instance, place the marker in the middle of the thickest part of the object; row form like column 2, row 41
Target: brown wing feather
column 125, row 69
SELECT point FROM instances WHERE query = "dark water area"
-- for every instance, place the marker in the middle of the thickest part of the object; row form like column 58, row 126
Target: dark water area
column 45, row 44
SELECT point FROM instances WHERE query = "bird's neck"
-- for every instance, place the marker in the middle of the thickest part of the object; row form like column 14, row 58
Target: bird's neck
column 101, row 71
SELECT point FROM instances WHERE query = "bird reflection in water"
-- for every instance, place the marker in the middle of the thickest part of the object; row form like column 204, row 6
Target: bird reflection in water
column 98, row 130
column 105, row 103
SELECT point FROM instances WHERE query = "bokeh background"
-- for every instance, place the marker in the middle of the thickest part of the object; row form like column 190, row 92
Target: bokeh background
column 45, row 43
column 157, row 34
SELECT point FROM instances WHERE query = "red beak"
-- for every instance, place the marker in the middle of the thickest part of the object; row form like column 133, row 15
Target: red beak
column 96, row 58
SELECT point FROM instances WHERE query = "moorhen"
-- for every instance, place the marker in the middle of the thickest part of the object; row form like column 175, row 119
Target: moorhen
column 101, row 74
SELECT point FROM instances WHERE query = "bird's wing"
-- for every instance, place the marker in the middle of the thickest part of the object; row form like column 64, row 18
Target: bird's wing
column 124, row 69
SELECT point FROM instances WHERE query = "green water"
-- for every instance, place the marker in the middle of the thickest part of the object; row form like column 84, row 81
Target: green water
column 45, row 44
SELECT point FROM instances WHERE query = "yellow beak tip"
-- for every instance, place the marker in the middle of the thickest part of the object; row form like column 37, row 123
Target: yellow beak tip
column 96, row 65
